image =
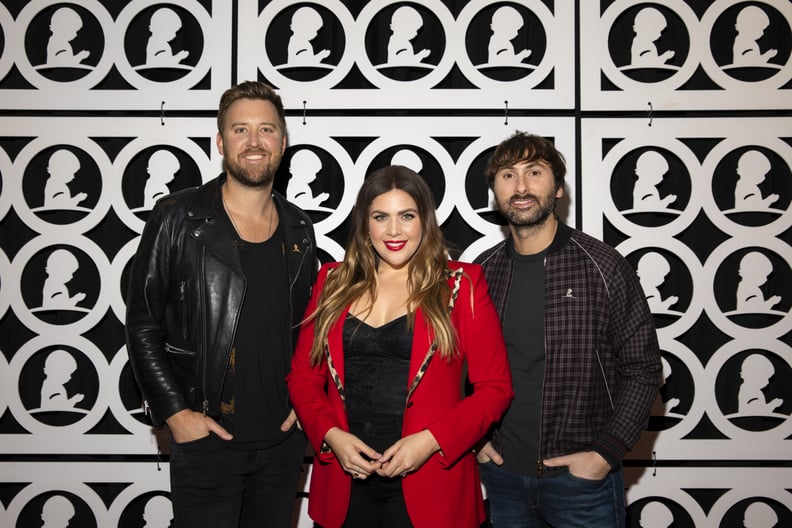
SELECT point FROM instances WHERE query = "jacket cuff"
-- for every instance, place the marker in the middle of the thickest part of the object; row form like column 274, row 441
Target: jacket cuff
column 611, row 449
column 159, row 412
column 325, row 454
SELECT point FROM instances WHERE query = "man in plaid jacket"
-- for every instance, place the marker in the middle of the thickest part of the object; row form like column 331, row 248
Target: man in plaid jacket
column 583, row 352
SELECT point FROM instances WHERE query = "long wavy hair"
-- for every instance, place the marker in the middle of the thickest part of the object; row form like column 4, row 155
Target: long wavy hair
column 356, row 276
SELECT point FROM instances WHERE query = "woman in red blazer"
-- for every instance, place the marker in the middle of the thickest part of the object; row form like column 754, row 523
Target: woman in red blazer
column 377, row 377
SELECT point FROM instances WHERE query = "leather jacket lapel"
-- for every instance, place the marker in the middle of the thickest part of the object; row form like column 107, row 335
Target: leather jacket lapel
column 210, row 231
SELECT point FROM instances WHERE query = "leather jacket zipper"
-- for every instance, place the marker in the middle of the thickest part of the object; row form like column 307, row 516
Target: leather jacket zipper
column 183, row 301
column 202, row 347
column 540, row 467
column 177, row 350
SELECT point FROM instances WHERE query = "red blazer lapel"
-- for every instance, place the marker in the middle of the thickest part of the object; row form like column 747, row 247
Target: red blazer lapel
column 335, row 341
column 422, row 340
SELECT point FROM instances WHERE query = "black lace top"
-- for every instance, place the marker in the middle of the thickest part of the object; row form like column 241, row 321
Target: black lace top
column 376, row 367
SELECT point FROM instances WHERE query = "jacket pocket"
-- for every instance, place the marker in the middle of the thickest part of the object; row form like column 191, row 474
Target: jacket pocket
column 183, row 362
column 171, row 349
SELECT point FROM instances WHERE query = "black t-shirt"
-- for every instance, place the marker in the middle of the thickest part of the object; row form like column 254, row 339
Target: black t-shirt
column 255, row 399
column 523, row 330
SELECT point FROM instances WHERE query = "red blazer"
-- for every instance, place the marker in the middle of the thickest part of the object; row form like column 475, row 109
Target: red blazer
column 445, row 491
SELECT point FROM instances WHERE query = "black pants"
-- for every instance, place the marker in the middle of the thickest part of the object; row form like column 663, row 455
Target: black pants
column 214, row 486
column 377, row 502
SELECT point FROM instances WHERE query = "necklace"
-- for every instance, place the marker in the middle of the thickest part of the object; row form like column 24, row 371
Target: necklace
column 270, row 228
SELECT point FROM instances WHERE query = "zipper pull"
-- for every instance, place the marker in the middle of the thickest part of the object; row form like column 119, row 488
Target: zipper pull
column 181, row 291
column 205, row 407
column 146, row 408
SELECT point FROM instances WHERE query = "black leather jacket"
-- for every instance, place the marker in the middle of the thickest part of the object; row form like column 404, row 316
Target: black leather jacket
column 185, row 293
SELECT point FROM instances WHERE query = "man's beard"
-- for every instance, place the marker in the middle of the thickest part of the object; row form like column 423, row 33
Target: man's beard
column 261, row 178
column 534, row 216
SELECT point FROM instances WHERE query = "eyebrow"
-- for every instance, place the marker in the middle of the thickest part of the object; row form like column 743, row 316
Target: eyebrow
column 410, row 210
column 238, row 123
column 528, row 164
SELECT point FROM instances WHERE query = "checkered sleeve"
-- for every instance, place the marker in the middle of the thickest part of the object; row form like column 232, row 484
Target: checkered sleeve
column 634, row 341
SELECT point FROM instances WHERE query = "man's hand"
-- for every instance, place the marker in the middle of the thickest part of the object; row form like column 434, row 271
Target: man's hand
column 355, row 457
column 290, row 421
column 487, row 453
column 408, row 454
column 187, row 425
column 587, row 465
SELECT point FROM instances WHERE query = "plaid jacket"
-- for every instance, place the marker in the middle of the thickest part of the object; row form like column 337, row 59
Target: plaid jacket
column 602, row 360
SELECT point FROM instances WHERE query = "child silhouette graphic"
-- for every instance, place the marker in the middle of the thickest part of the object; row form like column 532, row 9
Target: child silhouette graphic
column 158, row 512
column 760, row 515
column 754, row 270
column 652, row 271
column 407, row 158
column 304, row 167
column 405, row 24
column 165, row 23
column 648, row 25
column 656, row 515
column 57, row 512
column 64, row 26
column 506, row 23
column 756, row 371
column 752, row 169
column 58, row 369
column 305, row 25
column 62, row 167
column 61, row 265
column 650, row 168
column 750, row 25
column 162, row 168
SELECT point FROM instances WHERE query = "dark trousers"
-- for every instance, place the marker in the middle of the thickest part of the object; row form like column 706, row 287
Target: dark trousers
column 377, row 502
column 214, row 486
column 561, row 501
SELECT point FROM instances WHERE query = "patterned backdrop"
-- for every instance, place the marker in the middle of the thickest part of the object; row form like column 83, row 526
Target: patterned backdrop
column 675, row 117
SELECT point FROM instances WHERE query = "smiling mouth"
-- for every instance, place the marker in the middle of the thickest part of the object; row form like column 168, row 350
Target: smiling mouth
column 523, row 201
column 395, row 245
column 254, row 156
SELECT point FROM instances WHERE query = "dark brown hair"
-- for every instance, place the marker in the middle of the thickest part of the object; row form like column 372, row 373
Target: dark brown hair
column 526, row 147
column 250, row 90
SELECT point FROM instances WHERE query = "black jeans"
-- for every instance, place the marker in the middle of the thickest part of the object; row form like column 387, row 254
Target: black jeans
column 214, row 486
column 377, row 502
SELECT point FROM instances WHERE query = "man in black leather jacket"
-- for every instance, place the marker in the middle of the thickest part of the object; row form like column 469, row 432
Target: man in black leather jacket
column 217, row 290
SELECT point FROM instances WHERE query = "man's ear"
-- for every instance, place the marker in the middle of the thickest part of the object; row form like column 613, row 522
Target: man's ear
column 219, row 143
